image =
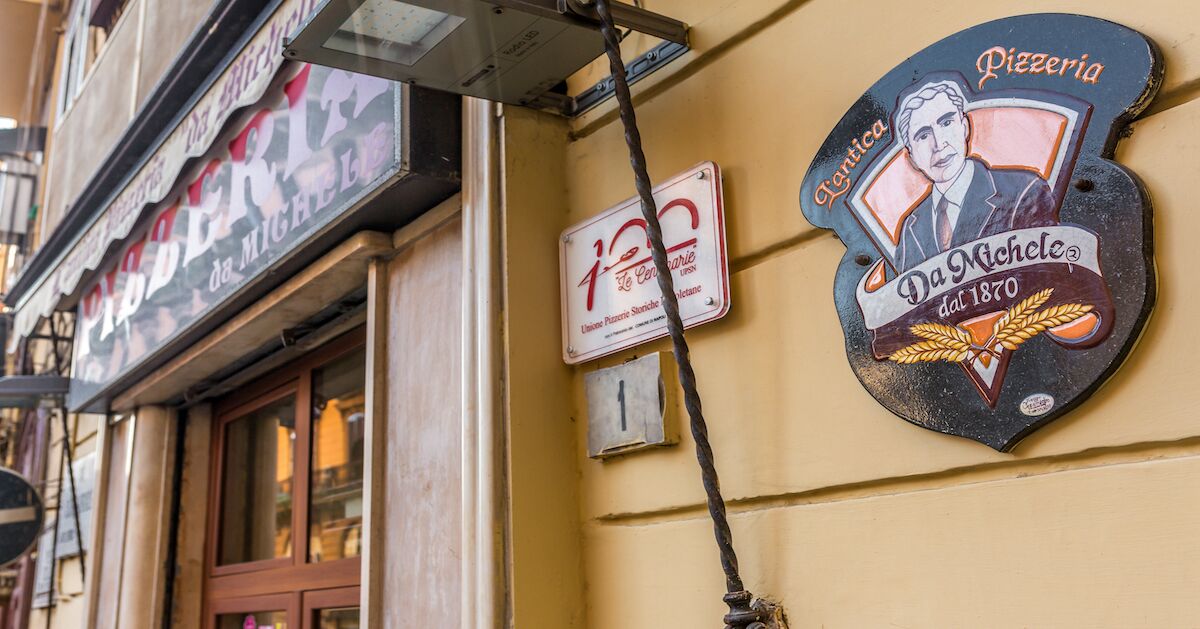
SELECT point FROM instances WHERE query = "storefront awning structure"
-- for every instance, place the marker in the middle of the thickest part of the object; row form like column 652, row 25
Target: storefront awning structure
column 29, row 391
column 105, row 211
column 22, row 140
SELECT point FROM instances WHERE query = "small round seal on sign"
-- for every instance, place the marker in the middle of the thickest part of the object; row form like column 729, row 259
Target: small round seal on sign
column 1037, row 404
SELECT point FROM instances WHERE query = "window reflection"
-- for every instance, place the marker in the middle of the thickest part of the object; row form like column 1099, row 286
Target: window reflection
column 335, row 511
column 338, row 618
column 256, row 514
column 256, row 620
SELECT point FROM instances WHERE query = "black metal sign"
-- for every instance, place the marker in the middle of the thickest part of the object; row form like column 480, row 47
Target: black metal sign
column 999, row 266
column 20, row 516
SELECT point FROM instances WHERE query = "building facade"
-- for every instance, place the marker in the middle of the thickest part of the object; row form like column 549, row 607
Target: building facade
column 313, row 327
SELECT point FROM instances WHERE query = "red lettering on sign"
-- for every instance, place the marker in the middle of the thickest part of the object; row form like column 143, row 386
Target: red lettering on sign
column 624, row 282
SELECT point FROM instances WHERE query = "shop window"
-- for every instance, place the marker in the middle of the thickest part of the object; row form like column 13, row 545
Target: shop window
column 286, row 504
column 335, row 510
column 259, row 620
column 331, row 609
column 344, row 618
column 257, row 612
column 256, row 517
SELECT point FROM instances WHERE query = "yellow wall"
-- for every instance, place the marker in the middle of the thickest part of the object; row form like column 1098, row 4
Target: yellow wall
column 545, row 544
column 18, row 33
column 848, row 515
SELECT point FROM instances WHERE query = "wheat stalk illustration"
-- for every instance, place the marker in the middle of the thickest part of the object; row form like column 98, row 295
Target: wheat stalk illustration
column 1020, row 323
column 1039, row 322
column 1014, row 319
column 950, row 335
column 930, row 351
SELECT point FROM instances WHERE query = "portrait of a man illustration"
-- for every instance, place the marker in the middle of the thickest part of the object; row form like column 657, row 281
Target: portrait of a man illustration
column 968, row 199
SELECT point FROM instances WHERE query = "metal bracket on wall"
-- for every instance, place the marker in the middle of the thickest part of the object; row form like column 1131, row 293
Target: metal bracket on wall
column 638, row 69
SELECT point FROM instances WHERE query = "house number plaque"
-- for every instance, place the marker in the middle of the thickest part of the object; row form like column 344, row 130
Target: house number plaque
column 631, row 406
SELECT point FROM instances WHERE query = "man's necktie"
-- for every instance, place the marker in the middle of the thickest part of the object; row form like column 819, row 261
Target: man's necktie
column 945, row 232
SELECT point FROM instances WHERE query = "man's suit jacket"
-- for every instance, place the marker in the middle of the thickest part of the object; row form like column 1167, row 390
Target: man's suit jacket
column 998, row 200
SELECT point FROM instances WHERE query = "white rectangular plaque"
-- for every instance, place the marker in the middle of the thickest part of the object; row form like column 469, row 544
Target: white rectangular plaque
column 610, row 294
column 85, row 482
column 43, row 571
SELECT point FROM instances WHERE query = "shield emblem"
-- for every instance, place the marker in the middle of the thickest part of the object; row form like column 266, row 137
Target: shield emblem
column 999, row 265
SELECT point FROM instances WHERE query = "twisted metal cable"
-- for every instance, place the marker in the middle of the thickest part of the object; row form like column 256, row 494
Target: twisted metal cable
column 740, row 616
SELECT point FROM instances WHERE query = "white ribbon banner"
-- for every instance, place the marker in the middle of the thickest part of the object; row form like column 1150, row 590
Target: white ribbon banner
column 1074, row 247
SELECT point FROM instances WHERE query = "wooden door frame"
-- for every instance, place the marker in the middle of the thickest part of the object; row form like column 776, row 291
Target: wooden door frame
column 267, row 579
column 217, row 484
column 316, row 600
column 289, row 604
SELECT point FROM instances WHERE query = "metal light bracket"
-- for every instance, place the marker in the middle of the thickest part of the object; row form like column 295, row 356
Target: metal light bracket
column 642, row 66
column 630, row 16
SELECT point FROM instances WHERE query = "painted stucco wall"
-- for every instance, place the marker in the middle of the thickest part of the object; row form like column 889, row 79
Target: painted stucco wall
column 846, row 514
column 139, row 49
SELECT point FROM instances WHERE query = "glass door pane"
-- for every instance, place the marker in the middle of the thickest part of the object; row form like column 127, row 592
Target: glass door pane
column 344, row 618
column 255, row 620
column 335, row 507
column 256, row 510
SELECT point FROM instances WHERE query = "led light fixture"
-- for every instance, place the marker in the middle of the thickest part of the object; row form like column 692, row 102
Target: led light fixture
column 394, row 31
column 512, row 51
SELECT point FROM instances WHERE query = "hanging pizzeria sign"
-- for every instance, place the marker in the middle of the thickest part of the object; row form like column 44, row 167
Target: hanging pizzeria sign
column 999, row 265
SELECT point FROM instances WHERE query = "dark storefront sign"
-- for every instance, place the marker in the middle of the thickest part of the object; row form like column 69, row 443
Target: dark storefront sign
column 999, row 266
column 20, row 516
column 279, row 180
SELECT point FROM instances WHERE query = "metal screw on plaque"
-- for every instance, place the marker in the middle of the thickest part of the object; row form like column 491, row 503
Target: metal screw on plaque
column 708, row 301
column 570, row 350
column 702, row 175
column 567, row 239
